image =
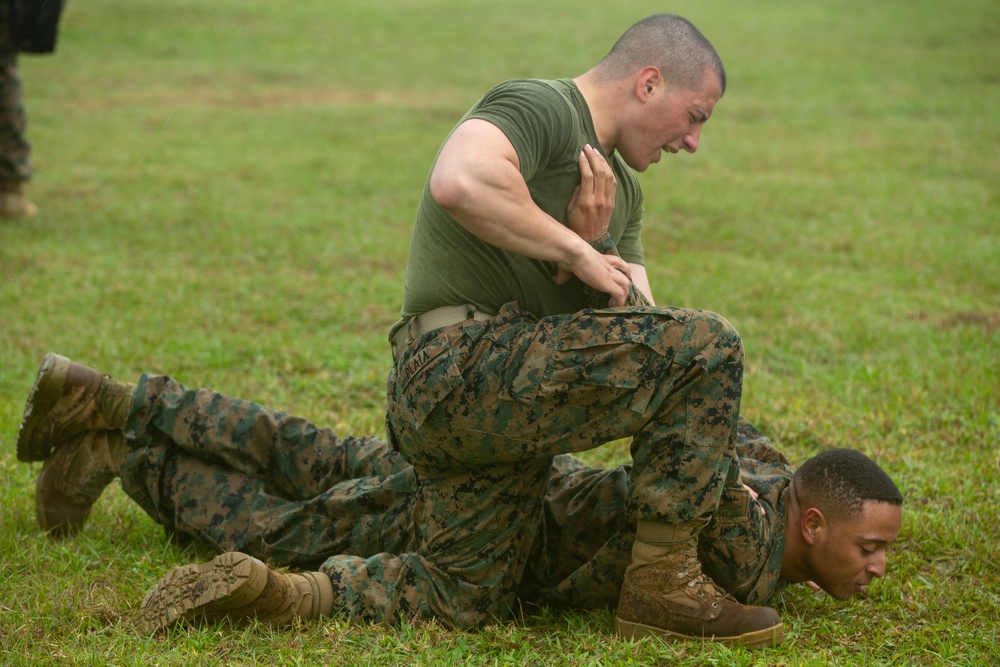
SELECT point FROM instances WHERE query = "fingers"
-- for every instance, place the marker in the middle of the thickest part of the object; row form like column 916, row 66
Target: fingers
column 605, row 174
column 595, row 172
column 604, row 273
column 618, row 297
column 592, row 202
column 563, row 274
column 597, row 179
column 620, row 281
column 586, row 170
column 753, row 494
column 620, row 264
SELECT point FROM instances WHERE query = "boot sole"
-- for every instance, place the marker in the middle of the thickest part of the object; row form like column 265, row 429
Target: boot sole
column 44, row 394
column 227, row 582
column 765, row 638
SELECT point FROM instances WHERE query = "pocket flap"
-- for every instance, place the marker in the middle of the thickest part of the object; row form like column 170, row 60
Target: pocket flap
column 427, row 377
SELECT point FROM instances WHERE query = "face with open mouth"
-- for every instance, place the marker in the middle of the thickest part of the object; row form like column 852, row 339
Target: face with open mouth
column 667, row 119
column 851, row 552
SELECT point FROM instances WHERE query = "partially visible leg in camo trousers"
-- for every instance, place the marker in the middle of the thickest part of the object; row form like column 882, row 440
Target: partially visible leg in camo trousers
column 15, row 151
column 237, row 476
column 585, row 541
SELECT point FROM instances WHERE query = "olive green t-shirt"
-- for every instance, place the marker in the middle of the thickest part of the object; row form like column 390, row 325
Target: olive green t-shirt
column 548, row 123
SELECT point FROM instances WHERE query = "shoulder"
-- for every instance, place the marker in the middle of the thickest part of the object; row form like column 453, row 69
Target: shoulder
column 529, row 98
column 526, row 87
column 538, row 117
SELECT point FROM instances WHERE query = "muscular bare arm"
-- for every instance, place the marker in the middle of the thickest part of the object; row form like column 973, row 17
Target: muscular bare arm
column 477, row 179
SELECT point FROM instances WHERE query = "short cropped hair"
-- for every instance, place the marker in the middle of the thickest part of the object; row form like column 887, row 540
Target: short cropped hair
column 839, row 481
column 670, row 43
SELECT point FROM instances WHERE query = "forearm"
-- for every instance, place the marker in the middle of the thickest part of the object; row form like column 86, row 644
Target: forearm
column 488, row 197
column 638, row 292
column 477, row 179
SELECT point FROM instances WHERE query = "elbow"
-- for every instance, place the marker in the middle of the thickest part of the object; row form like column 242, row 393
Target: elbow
column 446, row 189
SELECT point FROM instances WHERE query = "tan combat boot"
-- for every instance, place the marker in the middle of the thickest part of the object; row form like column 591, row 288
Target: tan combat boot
column 14, row 203
column 236, row 587
column 665, row 594
column 74, row 477
column 66, row 400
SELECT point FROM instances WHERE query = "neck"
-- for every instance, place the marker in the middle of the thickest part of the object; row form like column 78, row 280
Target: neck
column 793, row 562
column 603, row 99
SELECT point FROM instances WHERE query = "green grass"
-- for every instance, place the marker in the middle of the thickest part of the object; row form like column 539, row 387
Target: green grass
column 226, row 191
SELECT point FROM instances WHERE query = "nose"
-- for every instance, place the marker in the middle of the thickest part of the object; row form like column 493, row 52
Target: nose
column 692, row 138
column 876, row 567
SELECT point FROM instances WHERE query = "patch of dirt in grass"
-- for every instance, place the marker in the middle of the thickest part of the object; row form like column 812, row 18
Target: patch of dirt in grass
column 212, row 95
column 989, row 321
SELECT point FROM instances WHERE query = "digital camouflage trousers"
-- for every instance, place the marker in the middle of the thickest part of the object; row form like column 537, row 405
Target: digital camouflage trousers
column 236, row 476
column 480, row 409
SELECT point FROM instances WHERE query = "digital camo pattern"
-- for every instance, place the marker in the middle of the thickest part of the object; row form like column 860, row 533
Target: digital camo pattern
column 741, row 548
column 237, row 476
column 481, row 408
column 234, row 475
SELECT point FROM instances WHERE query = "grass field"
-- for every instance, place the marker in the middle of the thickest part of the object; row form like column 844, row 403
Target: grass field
column 226, row 191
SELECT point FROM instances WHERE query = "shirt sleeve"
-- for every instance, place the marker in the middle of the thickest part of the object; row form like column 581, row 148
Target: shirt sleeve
column 529, row 115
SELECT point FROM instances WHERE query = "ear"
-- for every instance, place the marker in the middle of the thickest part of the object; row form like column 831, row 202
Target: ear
column 813, row 524
column 647, row 83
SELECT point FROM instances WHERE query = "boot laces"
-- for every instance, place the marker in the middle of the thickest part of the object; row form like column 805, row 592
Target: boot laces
column 697, row 583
